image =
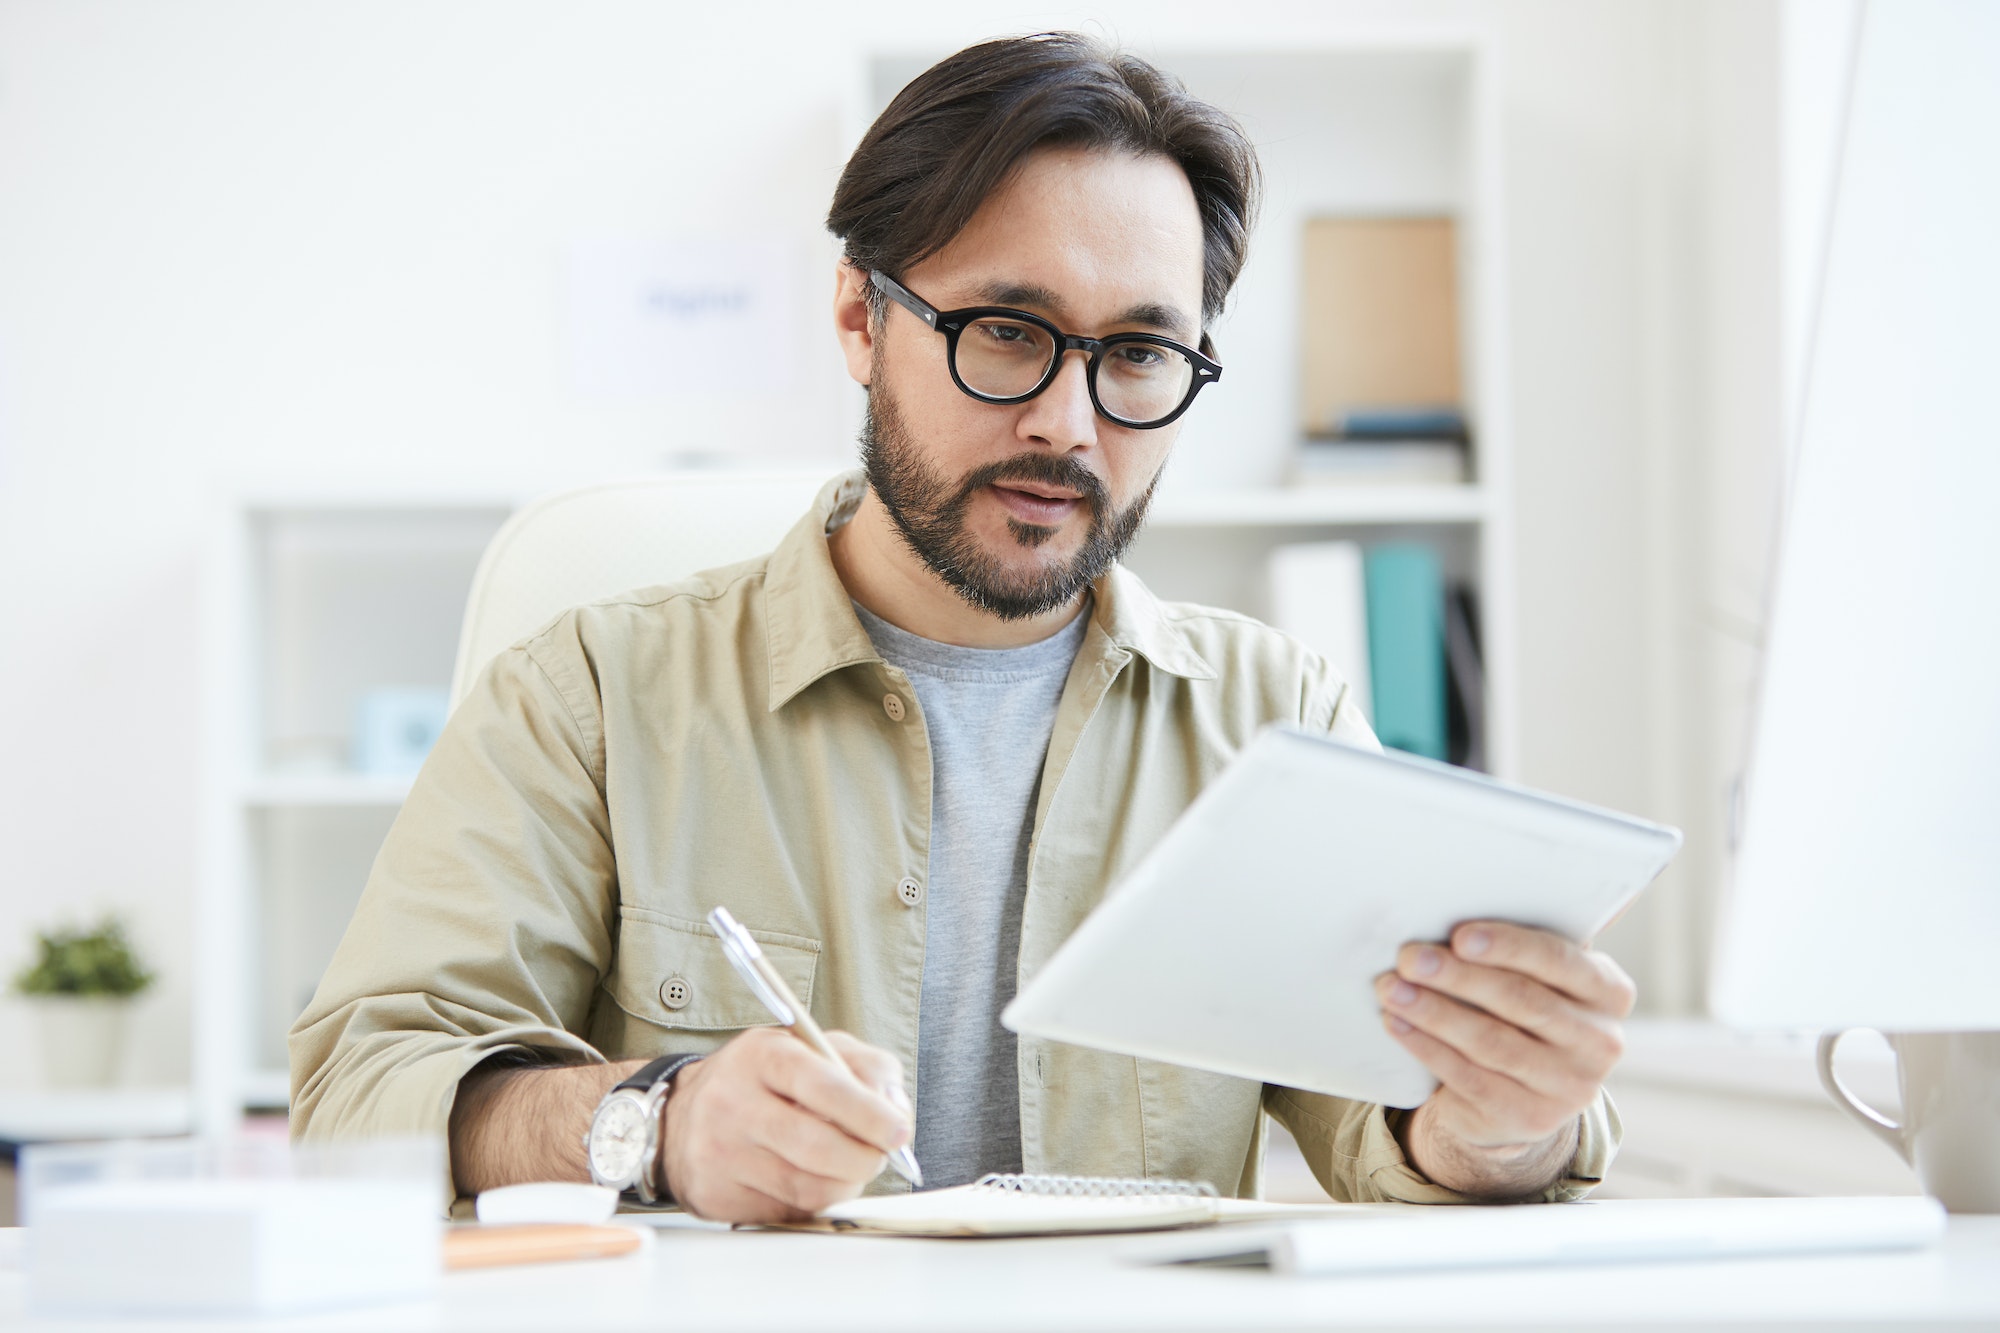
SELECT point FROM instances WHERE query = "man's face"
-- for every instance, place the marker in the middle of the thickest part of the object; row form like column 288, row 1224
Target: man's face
column 1020, row 507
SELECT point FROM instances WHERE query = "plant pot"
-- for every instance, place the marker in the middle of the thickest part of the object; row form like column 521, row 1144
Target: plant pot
column 82, row 1038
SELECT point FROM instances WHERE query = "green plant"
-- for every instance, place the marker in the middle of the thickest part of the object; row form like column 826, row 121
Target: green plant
column 84, row 962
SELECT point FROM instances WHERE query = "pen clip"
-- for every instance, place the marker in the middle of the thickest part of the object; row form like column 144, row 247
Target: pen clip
column 745, row 956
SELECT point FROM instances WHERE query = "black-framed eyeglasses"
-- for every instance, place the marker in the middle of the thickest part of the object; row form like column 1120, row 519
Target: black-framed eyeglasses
column 1006, row 356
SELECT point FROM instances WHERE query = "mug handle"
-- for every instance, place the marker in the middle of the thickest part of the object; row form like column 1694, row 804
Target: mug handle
column 1881, row 1126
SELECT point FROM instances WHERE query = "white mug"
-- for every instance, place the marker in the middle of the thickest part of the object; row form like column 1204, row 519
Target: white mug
column 1950, row 1131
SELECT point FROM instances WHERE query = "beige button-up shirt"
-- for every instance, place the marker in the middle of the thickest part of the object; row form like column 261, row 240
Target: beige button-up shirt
column 735, row 738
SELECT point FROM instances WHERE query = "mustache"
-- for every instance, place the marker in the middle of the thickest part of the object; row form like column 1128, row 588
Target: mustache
column 1064, row 471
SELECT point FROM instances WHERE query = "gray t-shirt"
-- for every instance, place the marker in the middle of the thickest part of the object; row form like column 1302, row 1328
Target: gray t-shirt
column 989, row 713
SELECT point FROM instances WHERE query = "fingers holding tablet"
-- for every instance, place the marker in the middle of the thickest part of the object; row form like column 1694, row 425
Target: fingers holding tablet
column 1519, row 1026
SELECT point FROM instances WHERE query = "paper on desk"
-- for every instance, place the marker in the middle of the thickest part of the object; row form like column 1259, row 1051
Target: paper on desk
column 976, row 1210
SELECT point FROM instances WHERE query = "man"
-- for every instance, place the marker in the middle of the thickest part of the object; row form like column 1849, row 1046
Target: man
column 912, row 748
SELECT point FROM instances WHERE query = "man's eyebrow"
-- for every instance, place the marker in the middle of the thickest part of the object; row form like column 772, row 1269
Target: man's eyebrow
column 1032, row 296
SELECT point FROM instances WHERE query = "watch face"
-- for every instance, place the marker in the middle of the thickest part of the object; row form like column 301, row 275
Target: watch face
column 619, row 1140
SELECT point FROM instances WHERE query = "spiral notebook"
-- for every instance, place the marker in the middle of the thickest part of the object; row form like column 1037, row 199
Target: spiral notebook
column 1026, row 1205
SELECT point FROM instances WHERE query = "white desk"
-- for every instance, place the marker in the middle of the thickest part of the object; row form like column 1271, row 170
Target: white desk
column 772, row 1281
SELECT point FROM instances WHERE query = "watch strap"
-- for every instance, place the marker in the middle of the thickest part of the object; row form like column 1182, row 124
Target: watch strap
column 656, row 1071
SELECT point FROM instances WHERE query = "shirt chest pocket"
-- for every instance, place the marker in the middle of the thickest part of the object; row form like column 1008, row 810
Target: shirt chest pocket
column 673, row 973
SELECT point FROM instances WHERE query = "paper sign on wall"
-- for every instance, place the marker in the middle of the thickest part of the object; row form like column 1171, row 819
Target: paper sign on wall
column 651, row 318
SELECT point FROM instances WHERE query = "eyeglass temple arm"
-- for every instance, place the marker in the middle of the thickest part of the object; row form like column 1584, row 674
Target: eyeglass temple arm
column 903, row 297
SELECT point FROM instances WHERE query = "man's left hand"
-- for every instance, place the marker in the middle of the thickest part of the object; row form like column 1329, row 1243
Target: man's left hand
column 1520, row 1027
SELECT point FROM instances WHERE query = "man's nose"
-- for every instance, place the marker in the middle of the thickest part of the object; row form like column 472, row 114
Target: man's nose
column 1061, row 415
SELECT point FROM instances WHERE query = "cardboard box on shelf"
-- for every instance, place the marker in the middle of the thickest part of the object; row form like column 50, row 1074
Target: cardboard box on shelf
column 1379, row 316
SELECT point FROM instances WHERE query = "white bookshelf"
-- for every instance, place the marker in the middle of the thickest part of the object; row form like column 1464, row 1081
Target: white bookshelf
column 316, row 598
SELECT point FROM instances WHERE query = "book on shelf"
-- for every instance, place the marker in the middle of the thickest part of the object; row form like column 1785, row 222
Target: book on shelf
column 1327, row 461
column 1317, row 596
column 1465, row 671
column 1406, row 647
column 1428, row 445
column 1400, row 425
column 1406, row 641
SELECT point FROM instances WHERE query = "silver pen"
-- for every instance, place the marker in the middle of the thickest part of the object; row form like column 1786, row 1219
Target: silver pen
column 776, row 996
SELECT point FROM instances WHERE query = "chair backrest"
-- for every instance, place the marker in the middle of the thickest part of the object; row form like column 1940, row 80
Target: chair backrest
column 577, row 546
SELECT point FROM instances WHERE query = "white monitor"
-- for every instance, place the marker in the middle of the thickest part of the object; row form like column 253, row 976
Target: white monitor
column 1867, row 888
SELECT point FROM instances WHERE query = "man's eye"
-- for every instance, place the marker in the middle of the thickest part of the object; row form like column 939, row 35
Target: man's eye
column 1142, row 357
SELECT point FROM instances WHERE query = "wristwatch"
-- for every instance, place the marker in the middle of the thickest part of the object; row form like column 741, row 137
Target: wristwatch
column 624, row 1139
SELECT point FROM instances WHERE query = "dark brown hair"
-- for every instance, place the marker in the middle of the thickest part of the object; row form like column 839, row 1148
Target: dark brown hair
column 955, row 132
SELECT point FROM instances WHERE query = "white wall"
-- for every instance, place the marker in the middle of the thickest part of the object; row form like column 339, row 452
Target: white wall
column 325, row 240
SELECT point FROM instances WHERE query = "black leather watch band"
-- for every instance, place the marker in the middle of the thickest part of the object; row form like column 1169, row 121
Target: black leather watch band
column 654, row 1071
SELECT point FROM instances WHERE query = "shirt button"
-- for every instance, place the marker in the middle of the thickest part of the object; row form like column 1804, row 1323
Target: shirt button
column 675, row 992
column 892, row 704
column 909, row 890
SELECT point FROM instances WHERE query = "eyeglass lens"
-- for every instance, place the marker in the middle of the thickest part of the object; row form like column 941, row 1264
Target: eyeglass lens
column 1136, row 381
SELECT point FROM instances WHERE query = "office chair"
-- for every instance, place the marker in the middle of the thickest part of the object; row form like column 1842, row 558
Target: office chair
column 577, row 546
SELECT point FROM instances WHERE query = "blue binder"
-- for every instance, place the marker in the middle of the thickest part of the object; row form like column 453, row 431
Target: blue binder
column 1405, row 587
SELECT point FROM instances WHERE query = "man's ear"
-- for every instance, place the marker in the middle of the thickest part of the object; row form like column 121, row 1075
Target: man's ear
column 853, row 320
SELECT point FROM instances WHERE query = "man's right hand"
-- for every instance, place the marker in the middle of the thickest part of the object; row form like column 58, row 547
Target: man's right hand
column 765, row 1130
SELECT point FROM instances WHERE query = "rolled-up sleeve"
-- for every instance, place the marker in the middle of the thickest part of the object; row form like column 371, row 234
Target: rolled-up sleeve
column 1352, row 1149
column 487, row 921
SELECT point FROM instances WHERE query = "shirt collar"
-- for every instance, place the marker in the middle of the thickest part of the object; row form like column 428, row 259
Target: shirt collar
column 812, row 629
column 1136, row 621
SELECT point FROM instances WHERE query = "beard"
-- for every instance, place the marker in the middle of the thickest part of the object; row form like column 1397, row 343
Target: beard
column 929, row 508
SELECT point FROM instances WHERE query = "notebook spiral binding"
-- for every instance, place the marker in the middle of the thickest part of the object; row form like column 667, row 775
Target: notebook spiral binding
column 1095, row 1187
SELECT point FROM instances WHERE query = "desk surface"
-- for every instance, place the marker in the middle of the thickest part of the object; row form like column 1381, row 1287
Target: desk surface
column 705, row 1279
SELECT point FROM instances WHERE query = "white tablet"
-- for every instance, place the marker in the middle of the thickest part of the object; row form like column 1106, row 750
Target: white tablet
column 1247, row 942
